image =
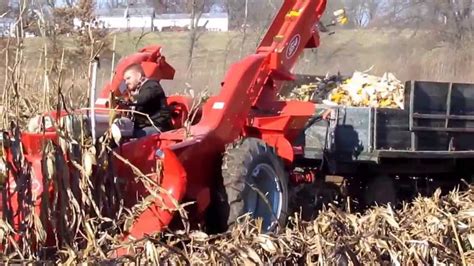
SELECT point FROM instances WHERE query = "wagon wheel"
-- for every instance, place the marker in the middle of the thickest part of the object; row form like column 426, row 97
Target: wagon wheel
column 255, row 183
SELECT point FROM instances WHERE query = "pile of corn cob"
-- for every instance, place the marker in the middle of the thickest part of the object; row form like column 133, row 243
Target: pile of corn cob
column 361, row 89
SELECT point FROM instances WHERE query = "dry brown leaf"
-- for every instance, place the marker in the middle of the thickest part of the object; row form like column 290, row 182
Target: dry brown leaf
column 199, row 236
column 266, row 243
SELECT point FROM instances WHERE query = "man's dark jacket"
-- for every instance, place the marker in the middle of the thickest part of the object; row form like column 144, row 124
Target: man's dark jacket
column 151, row 100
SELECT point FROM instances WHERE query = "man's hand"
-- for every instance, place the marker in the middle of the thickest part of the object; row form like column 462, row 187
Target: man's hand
column 326, row 115
column 123, row 102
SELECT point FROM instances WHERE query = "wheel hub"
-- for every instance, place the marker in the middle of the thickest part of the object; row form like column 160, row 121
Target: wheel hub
column 264, row 196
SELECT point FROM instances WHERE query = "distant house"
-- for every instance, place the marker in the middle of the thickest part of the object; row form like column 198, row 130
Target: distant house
column 145, row 18
column 209, row 21
column 126, row 18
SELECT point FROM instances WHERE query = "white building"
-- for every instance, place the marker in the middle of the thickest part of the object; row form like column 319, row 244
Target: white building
column 145, row 18
column 210, row 21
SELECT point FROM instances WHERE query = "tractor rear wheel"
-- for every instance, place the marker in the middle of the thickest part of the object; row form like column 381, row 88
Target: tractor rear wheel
column 255, row 183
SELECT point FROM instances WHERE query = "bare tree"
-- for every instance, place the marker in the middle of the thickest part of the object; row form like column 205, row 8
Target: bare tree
column 372, row 7
column 196, row 7
column 453, row 20
column 167, row 6
column 235, row 8
column 458, row 18
column 4, row 7
column 158, row 5
column 361, row 12
column 244, row 35
column 70, row 3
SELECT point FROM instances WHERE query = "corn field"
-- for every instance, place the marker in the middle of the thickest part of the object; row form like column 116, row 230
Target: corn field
column 86, row 220
column 87, row 215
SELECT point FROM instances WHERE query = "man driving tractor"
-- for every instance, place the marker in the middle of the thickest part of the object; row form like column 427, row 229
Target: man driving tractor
column 147, row 97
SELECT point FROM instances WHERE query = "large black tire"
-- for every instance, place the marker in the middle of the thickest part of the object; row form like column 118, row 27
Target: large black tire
column 246, row 165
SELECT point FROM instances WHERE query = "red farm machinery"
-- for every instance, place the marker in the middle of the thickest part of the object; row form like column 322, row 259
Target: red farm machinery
column 246, row 151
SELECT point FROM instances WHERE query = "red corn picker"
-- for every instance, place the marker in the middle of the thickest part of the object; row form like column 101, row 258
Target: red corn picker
column 243, row 135
column 247, row 151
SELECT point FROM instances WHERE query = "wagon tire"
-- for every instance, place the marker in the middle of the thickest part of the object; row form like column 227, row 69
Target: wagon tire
column 255, row 183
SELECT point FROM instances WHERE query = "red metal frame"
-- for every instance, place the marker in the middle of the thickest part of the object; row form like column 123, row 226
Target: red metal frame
column 245, row 106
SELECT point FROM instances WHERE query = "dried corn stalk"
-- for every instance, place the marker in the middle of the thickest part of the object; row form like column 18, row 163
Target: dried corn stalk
column 427, row 231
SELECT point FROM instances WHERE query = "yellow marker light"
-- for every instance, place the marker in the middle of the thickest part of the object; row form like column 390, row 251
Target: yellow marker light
column 294, row 13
